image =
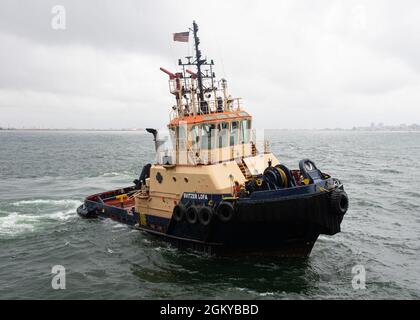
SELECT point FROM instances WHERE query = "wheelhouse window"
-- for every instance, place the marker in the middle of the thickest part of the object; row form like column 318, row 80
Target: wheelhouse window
column 222, row 134
column 195, row 137
column 182, row 136
column 172, row 135
column 234, row 128
column 207, row 136
column 245, row 131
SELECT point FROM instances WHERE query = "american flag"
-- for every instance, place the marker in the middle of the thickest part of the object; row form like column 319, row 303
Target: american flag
column 181, row 36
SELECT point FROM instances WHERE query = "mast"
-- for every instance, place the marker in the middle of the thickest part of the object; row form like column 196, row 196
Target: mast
column 199, row 62
column 201, row 82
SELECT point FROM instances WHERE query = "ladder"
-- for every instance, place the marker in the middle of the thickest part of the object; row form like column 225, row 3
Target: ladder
column 253, row 149
column 244, row 169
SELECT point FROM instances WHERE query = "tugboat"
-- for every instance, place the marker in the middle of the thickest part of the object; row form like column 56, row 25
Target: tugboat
column 213, row 191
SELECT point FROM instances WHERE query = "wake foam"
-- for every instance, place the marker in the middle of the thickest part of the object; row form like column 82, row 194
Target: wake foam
column 47, row 201
column 32, row 215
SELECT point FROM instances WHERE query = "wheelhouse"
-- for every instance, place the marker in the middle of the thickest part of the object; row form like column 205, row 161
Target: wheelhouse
column 211, row 138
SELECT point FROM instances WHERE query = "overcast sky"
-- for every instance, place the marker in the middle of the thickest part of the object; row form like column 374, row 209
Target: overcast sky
column 296, row 64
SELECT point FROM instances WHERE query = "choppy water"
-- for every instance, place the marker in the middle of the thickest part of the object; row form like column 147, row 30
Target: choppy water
column 45, row 175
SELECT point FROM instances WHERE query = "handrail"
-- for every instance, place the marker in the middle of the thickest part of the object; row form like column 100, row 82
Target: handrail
column 212, row 108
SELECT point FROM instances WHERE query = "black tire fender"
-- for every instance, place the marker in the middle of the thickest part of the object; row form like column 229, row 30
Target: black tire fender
column 88, row 211
column 178, row 213
column 205, row 215
column 82, row 211
column 192, row 215
column 339, row 202
column 225, row 211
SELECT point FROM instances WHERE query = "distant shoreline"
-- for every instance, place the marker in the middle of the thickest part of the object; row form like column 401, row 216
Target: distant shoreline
column 269, row 129
column 93, row 130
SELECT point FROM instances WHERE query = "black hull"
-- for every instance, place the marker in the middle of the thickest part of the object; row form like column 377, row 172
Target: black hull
column 286, row 226
column 291, row 248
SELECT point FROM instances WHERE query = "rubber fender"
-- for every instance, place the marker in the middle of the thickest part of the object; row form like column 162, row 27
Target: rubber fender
column 87, row 211
column 82, row 210
column 225, row 211
column 339, row 202
column 178, row 213
column 192, row 215
column 205, row 215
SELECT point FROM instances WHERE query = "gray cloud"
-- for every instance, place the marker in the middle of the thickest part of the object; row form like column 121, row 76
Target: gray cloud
column 297, row 64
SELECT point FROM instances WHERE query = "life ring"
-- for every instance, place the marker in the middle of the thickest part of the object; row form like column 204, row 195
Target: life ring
column 192, row 215
column 179, row 212
column 205, row 215
column 339, row 202
column 225, row 211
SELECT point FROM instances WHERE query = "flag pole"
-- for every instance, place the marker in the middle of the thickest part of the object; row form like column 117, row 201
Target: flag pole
column 199, row 63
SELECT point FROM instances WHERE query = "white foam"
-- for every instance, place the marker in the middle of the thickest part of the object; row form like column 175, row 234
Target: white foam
column 119, row 226
column 265, row 294
column 13, row 223
column 111, row 174
column 66, row 202
column 117, row 174
column 60, row 215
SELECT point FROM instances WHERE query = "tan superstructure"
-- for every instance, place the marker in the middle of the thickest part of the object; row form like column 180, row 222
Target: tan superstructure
column 219, row 178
